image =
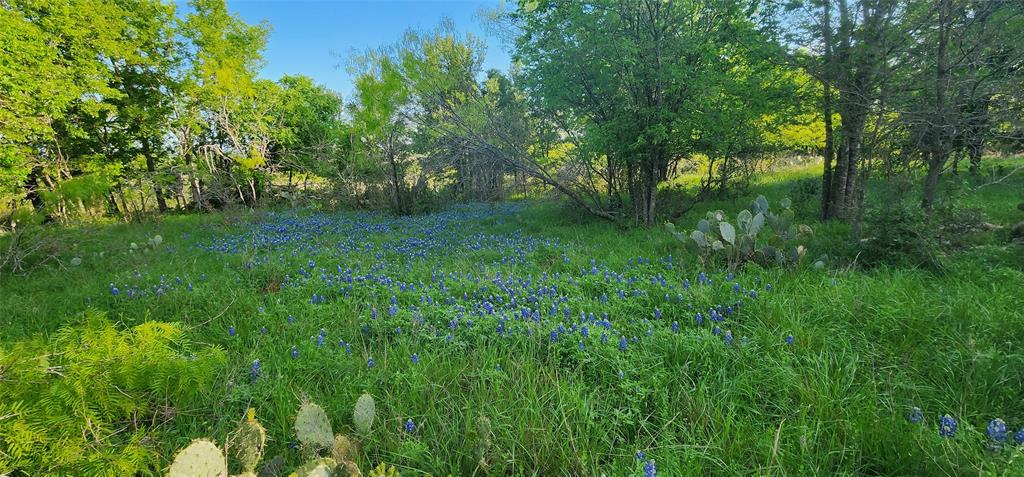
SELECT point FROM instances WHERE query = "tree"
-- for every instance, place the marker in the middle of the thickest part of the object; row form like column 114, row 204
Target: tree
column 645, row 83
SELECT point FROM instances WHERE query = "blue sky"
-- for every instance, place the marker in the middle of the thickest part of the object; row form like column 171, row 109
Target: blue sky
column 314, row 37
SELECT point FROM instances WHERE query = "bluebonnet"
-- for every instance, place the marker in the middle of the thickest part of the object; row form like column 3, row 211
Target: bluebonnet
column 649, row 469
column 657, row 313
column 996, row 430
column 768, row 287
column 947, row 426
column 699, row 318
column 264, row 330
column 295, row 352
column 916, row 415
column 255, row 372
column 1018, row 436
column 554, row 336
column 415, row 358
column 604, row 338
column 790, row 340
column 410, row 426
column 623, row 345
column 582, row 346
column 291, row 319
column 639, row 455
column 113, row 290
column 231, row 331
column 727, row 337
column 675, row 327
column 369, row 363
column 623, row 376
column 736, row 287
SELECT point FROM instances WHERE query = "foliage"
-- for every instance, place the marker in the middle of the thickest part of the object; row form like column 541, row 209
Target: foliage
column 80, row 404
column 900, row 234
column 746, row 240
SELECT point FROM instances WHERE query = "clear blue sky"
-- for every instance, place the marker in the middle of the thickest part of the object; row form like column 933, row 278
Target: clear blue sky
column 314, row 37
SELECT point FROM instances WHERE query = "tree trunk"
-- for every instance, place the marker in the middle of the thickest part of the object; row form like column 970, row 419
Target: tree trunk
column 147, row 151
column 828, row 153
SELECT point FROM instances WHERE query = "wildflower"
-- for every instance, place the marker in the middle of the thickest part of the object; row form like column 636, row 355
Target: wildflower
column 727, row 338
column 649, row 469
column 369, row 363
column 947, row 426
column 639, row 455
column 415, row 358
column 623, row 376
column 657, row 313
column 582, row 346
column 916, row 415
column 113, row 290
column 231, row 331
column 623, row 345
column 554, row 336
column 410, row 426
column 255, row 373
column 295, row 352
column 675, row 327
column 264, row 330
column 768, row 287
column 996, row 430
column 291, row 319
column 790, row 340
column 1018, row 436
column 736, row 287
column 699, row 319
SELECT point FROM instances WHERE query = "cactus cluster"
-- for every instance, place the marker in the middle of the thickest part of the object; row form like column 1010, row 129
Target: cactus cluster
column 203, row 458
column 759, row 235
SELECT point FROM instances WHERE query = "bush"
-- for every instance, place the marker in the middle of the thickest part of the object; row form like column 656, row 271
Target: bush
column 80, row 405
column 900, row 233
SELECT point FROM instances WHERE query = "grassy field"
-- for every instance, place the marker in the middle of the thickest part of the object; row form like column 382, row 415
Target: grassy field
column 583, row 343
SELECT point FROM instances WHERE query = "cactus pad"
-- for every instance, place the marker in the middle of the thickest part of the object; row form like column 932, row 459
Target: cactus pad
column 343, row 449
column 246, row 444
column 202, row 458
column 313, row 428
column 364, row 413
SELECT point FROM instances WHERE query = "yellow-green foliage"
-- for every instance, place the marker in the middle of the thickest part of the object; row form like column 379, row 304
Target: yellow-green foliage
column 79, row 404
column 383, row 470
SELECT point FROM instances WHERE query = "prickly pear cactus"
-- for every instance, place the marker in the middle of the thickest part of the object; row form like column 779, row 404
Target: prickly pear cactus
column 202, row 458
column 246, row 444
column 323, row 467
column 343, row 449
column 313, row 428
column 364, row 413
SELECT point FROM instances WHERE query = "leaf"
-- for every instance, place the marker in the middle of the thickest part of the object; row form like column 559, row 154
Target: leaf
column 786, row 203
column 704, row 226
column 728, row 232
column 743, row 220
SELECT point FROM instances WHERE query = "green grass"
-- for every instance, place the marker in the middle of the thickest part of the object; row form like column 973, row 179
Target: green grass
column 869, row 344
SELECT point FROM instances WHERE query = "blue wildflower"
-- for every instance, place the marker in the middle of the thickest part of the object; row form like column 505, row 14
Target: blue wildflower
column 255, row 372
column 996, row 430
column 727, row 338
column 947, row 426
column 415, row 358
column 916, row 415
column 623, row 376
column 623, row 344
column 639, row 455
column 264, row 330
column 649, row 469
column 1018, row 436
column 369, row 363
column 231, row 331
column 295, row 352
column 675, row 327
column 410, row 426
column 790, row 340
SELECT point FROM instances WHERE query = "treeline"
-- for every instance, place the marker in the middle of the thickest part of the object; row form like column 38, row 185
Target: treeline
column 123, row 107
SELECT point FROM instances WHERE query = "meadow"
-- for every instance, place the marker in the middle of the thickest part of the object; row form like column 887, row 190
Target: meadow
column 523, row 338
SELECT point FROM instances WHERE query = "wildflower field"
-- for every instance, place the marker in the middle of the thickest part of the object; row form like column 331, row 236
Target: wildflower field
column 508, row 339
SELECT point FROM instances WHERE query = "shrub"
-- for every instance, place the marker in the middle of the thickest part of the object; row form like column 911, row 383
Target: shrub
column 759, row 235
column 79, row 404
column 899, row 233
